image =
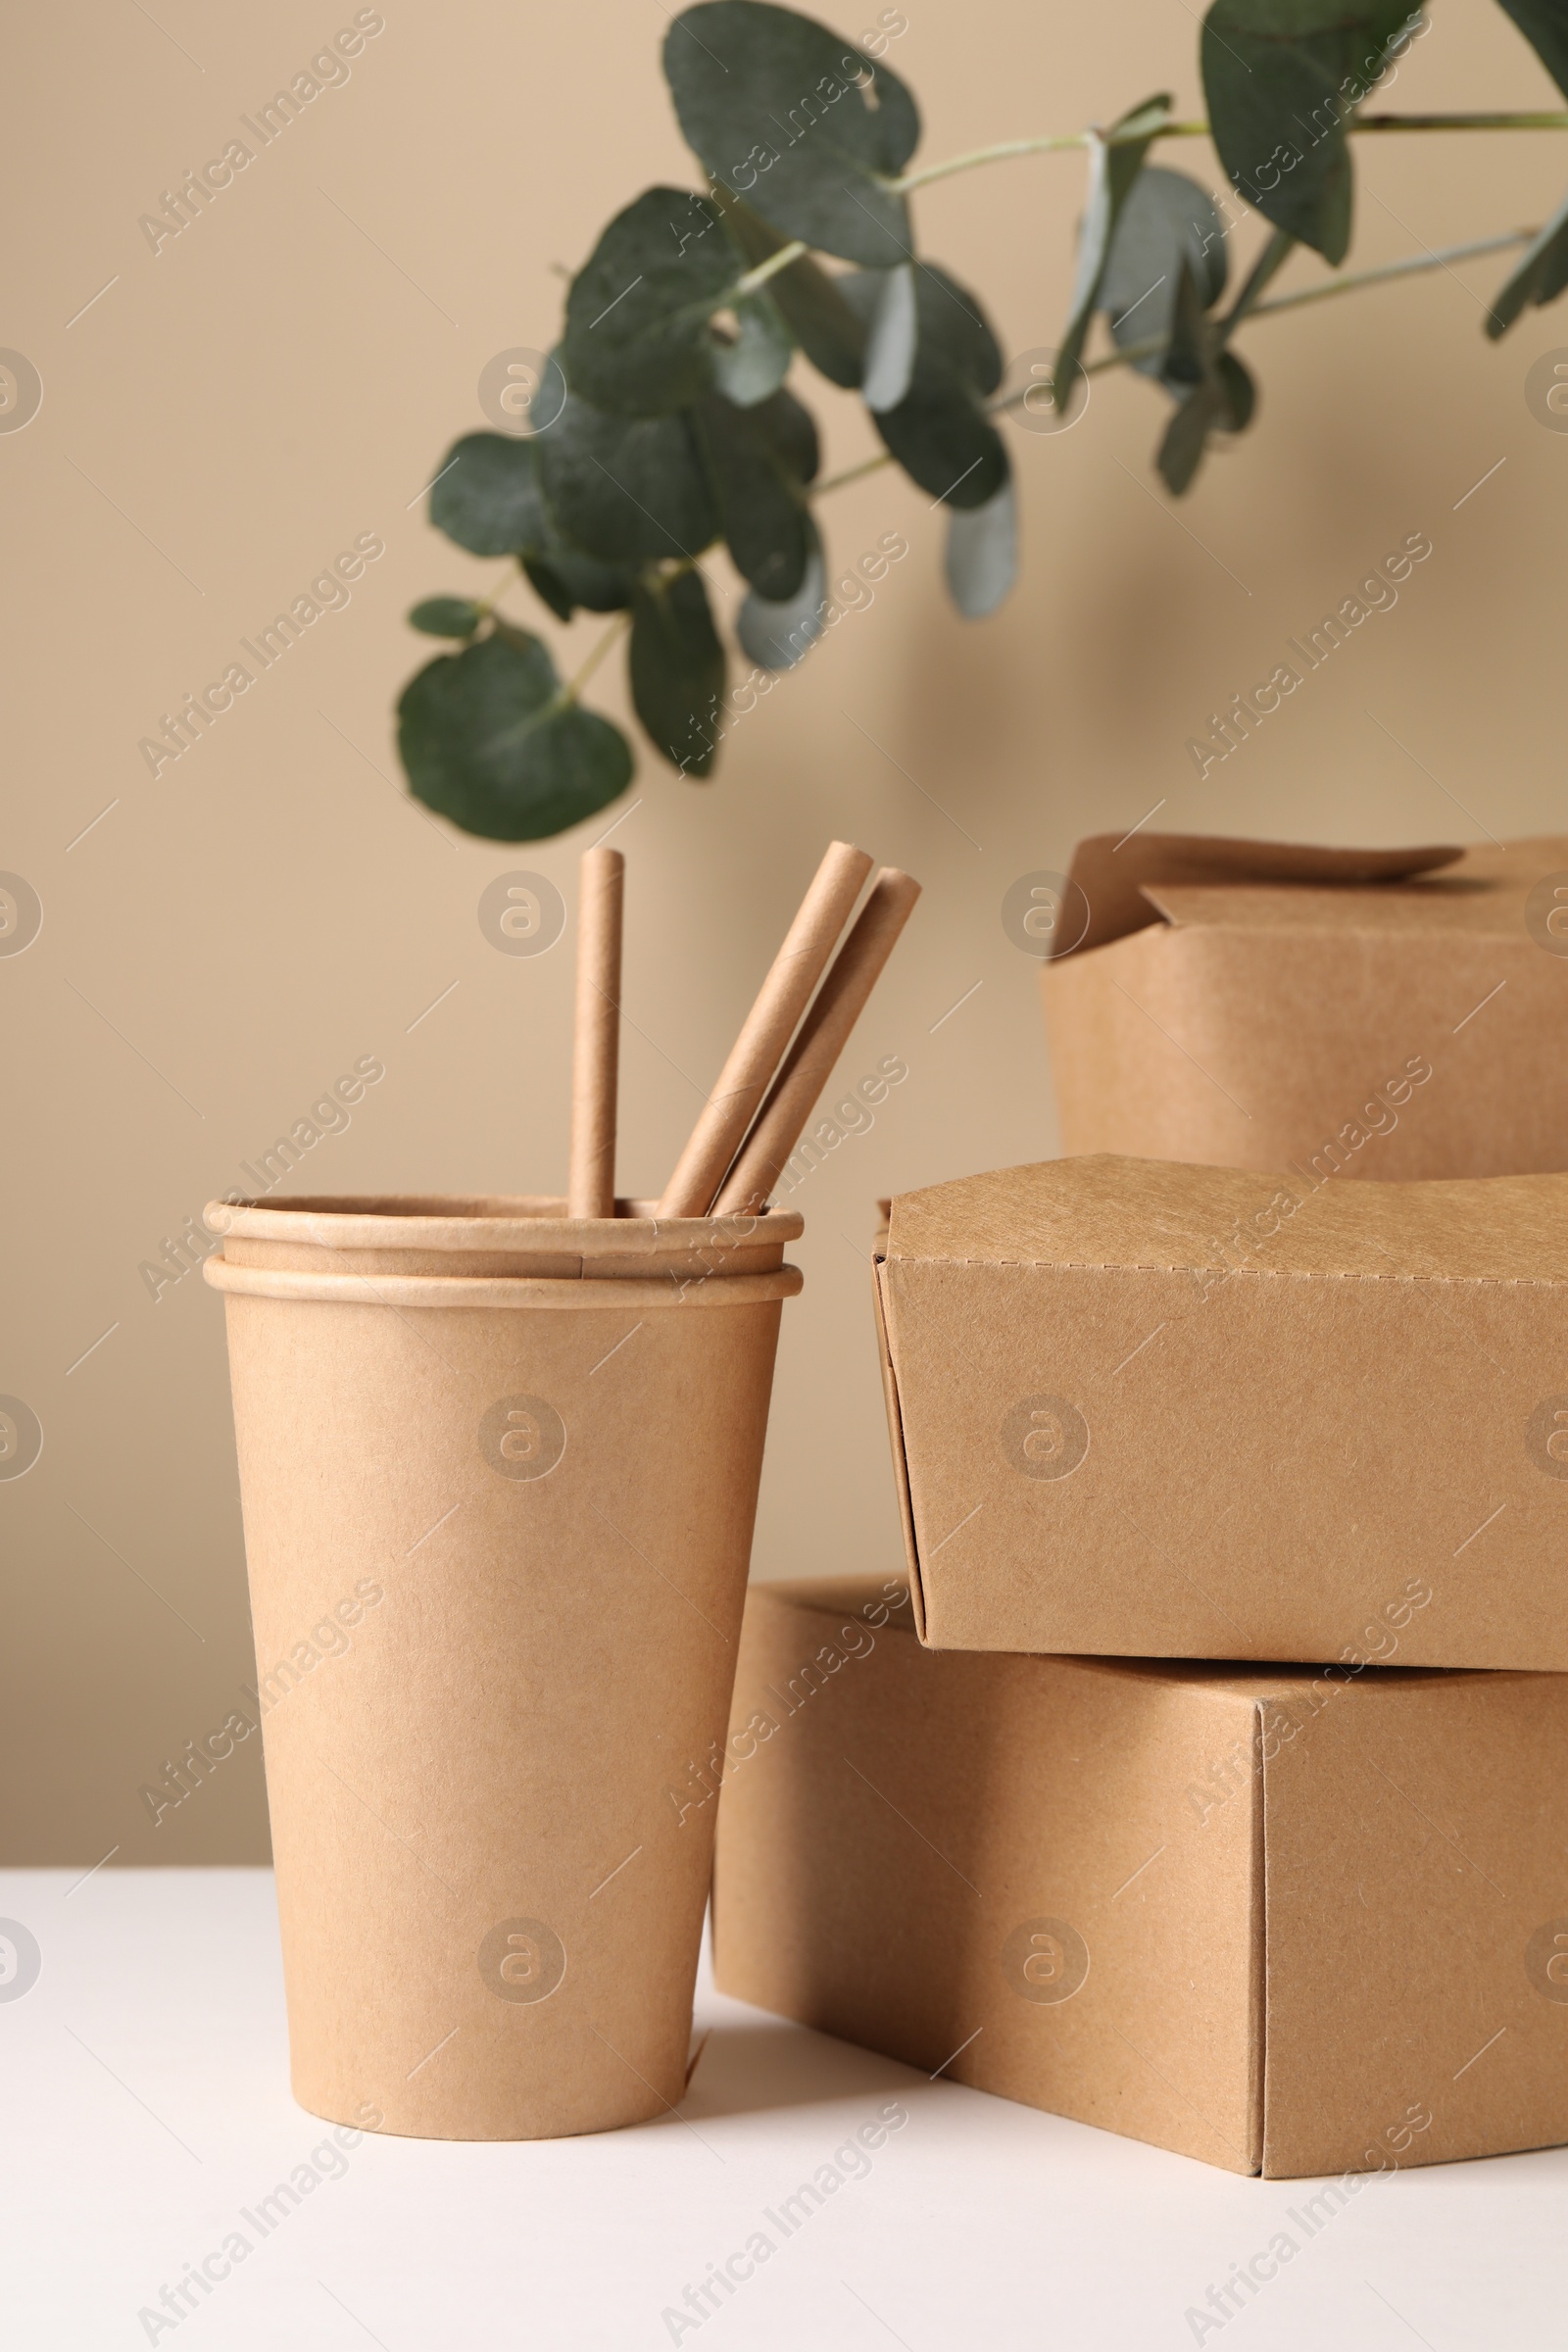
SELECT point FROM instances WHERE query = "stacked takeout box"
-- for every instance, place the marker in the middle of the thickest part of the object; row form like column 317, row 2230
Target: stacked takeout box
column 1208, row 1779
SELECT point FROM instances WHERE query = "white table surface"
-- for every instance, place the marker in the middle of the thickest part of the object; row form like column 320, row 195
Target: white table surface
column 144, row 2095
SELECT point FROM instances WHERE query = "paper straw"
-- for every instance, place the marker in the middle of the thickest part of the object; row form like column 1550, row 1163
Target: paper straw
column 596, row 1040
column 824, row 1036
column 768, row 1027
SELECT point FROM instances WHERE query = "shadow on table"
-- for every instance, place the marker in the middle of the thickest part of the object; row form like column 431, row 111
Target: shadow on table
column 746, row 2069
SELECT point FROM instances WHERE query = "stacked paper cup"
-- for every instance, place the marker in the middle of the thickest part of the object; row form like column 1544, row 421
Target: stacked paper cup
column 499, row 1462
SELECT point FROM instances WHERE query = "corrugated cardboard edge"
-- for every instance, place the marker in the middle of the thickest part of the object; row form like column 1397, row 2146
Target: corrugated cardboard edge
column 900, row 1466
column 1256, row 2044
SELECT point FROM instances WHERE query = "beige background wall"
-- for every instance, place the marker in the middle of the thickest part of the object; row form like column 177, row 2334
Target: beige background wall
column 284, row 376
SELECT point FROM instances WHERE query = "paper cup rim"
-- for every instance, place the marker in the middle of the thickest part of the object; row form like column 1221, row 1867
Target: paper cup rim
column 535, row 1222
column 503, row 1290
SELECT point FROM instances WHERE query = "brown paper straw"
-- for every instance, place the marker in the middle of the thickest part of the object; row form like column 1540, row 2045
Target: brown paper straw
column 824, row 1036
column 596, row 1040
column 768, row 1027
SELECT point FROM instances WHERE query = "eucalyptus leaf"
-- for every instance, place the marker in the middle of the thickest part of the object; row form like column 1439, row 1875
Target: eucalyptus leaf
column 1281, row 77
column 754, row 464
column 446, row 617
column 625, row 489
column 1545, row 26
column 756, row 363
column 1539, row 278
column 791, row 428
column 777, row 635
column 796, row 121
column 1241, row 393
column 1115, row 164
column 946, row 443
column 487, row 496
column 826, row 327
column 489, row 739
column 568, row 581
column 939, row 432
column 677, row 671
column 1224, row 402
column 638, row 342
column 490, row 500
column 982, row 553
column 891, row 339
column 1167, row 219
column 1189, row 357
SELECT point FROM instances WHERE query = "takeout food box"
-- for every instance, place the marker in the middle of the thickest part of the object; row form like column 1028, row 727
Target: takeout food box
column 1390, row 1014
column 1286, row 1923
column 1168, row 1411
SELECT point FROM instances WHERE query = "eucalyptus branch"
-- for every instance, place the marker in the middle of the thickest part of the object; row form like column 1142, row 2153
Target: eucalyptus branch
column 1343, row 282
column 1057, row 142
column 1052, row 143
column 1413, row 265
column 1273, row 253
column 677, row 433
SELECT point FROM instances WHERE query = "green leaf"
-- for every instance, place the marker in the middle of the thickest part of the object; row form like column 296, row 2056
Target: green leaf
column 811, row 303
column 488, row 739
column 627, row 490
column 1113, row 169
column 487, row 497
column 677, row 672
column 792, row 431
column 1539, row 278
column 1167, row 219
column 1241, row 393
column 1545, row 26
column 1189, row 355
column 982, row 554
column 800, row 123
column 1281, row 77
column 756, row 363
column 944, row 442
column 777, row 635
column 568, row 580
column 1223, row 399
column 891, row 337
column 754, row 458
column 939, row 432
column 638, row 341
column 446, row 617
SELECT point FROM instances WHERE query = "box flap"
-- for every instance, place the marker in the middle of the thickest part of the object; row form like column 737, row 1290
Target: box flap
column 1102, row 1211
column 901, row 1467
column 1111, row 876
column 1482, row 896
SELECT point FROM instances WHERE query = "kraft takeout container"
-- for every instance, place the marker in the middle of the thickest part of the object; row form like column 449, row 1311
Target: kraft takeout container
column 499, row 1471
column 1288, row 1922
column 1160, row 1410
column 1392, row 1014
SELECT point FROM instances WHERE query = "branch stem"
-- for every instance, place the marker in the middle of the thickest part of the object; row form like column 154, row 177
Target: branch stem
column 617, row 630
column 763, row 270
column 1057, row 141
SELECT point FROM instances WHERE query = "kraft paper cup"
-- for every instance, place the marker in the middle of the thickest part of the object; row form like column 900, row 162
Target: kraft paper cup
column 499, row 1470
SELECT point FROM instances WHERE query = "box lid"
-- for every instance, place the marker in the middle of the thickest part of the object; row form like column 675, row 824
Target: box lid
column 1102, row 1211
column 1192, row 881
